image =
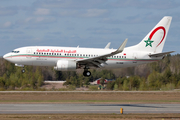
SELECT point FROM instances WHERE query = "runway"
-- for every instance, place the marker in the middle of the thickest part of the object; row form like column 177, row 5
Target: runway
column 87, row 108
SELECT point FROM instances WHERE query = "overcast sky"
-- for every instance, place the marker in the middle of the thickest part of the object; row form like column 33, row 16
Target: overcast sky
column 87, row 23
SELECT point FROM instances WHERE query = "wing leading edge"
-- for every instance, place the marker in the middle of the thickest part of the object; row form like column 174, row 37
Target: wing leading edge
column 97, row 61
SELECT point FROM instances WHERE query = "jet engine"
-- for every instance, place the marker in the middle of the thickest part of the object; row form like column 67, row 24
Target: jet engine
column 65, row 65
column 19, row 65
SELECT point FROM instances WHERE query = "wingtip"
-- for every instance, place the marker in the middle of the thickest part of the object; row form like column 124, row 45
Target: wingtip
column 121, row 48
column 108, row 45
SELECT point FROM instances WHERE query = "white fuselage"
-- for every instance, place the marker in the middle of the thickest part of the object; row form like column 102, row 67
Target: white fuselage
column 48, row 56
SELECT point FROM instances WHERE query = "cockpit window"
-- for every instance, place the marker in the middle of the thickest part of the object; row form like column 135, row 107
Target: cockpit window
column 15, row 51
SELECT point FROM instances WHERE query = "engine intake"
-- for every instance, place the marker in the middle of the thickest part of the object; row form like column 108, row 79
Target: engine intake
column 65, row 65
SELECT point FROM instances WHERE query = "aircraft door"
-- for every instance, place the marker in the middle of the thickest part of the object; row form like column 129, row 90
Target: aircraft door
column 28, row 53
column 134, row 57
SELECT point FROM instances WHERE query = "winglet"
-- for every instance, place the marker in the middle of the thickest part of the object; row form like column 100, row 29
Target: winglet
column 121, row 48
column 108, row 45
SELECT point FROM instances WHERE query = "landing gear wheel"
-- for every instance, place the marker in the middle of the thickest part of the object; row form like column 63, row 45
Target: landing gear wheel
column 87, row 73
column 23, row 70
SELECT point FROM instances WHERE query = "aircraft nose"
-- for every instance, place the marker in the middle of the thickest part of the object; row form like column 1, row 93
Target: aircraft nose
column 5, row 56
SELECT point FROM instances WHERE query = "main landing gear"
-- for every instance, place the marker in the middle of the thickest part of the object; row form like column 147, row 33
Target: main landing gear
column 86, row 73
column 23, row 70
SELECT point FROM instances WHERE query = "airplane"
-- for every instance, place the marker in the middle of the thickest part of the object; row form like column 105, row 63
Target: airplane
column 72, row 58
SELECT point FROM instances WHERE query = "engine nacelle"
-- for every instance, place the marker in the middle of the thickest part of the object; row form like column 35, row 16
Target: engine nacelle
column 19, row 65
column 65, row 65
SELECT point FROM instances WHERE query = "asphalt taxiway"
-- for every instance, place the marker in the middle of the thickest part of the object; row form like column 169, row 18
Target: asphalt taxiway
column 87, row 108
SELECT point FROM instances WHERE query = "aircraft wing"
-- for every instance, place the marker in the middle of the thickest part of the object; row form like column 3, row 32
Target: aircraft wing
column 96, row 61
column 160, row 54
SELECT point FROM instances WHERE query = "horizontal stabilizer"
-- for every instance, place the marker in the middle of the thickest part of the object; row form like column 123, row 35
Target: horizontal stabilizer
column 160, row 54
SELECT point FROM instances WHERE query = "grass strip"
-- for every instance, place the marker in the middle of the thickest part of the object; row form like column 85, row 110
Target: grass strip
column 89, row 116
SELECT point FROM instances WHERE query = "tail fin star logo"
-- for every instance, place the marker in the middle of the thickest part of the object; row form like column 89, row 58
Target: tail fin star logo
column 149, row 41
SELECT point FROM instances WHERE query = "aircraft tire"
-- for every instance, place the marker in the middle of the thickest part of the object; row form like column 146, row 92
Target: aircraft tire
column 87, row 73
column 23, row 70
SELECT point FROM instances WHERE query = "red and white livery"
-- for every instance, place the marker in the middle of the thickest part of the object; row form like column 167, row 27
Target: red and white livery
column 72, row 58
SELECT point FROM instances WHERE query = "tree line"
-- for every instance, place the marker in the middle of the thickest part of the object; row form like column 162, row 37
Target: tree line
column 161, row 75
